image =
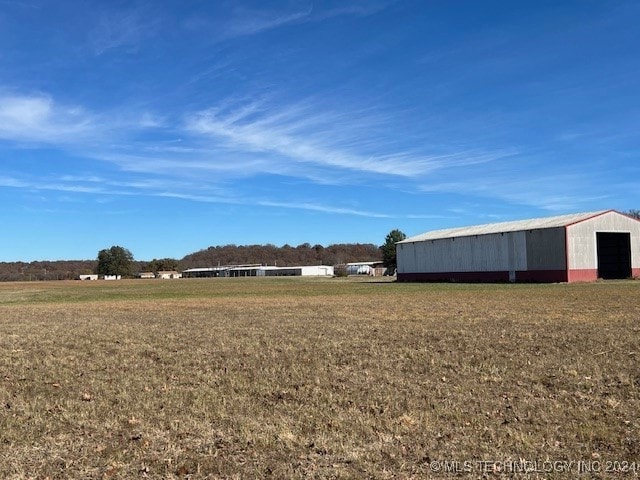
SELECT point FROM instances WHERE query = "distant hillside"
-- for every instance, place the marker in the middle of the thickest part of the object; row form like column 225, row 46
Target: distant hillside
column 284, row 256
column 45, row 270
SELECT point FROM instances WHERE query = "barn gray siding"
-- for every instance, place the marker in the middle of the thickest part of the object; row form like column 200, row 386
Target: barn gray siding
column 482, row 253
column 546, row 249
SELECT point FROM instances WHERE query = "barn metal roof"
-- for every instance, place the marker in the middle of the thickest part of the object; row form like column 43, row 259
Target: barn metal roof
column 503, row 227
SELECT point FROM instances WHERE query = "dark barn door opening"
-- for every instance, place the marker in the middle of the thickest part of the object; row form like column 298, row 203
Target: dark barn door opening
column 614, row 255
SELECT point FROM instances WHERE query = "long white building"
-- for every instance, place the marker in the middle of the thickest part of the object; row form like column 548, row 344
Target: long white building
column 259, row 271
column 567, row 248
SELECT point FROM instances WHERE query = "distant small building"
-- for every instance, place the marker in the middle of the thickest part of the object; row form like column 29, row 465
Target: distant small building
column 167, row 275
column 112, row 277
column 373, row 269
column 147, row 275
column 87, row 277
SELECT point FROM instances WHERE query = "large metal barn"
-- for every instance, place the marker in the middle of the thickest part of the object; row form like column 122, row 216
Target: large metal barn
column 567, row 248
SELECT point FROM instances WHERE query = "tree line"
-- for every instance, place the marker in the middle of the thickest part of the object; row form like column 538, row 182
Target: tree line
column 118, row 260
column 284, row 256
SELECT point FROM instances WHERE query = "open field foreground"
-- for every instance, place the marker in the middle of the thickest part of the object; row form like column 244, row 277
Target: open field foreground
column 293, row 378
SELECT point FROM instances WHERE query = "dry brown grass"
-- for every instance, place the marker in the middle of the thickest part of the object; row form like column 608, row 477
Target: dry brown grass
column 291, row 378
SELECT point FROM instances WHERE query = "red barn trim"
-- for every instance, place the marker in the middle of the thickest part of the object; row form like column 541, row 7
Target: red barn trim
column 543, row 276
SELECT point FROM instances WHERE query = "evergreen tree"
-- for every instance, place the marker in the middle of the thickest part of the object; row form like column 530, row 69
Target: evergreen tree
column 389, row 249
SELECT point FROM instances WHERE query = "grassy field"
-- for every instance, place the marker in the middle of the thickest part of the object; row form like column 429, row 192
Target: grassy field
column 293, row 378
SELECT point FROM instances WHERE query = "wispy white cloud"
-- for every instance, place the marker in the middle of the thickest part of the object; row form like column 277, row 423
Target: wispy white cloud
column 79, row 178
column 193, row 160
column 12, row 182
column 244, row 200
column 149, row 120
column 322, row 139
column 242, row 20
column 250, row 22
column 247, row 21
column 103, row 187
column 555, row 193
column 192, row 197
column 423, row 216
column 356, row 8
column 38, row 118
column 122, row 30
column 53, row 185
column 323, row 209
column 301, row 140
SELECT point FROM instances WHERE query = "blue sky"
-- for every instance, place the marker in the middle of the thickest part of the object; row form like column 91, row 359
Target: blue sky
column 170, row 126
